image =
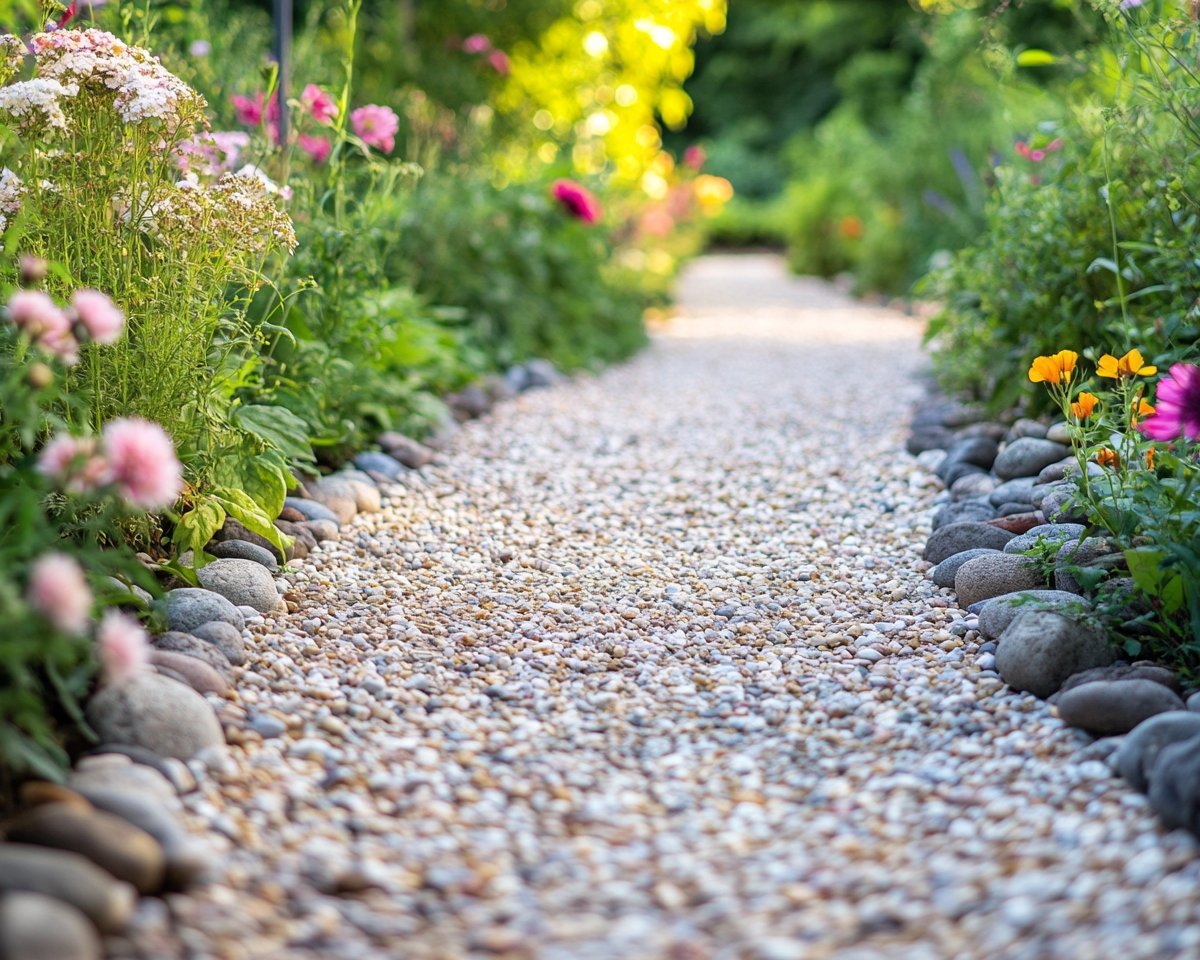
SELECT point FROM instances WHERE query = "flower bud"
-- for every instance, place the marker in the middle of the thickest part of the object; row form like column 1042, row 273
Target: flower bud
column 39, row 376
column 33, row 269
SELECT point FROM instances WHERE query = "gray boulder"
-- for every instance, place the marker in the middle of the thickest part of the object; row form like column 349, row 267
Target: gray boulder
column 1091, row 552
column 957, row 537
column 34, row 926
column 1026, row 456
column 1138, row 752
column 189, row 607
column 310, row 509
column 972, row 485
column 1018, row 490
column 244, row 550
column 1045, row 533
column 1175, row 785
column 157, row 713
column 997, row 613
column 225, row 638
column 995, row 574
column 185, row 643
column 1026, row 428
column 1142, row 670
column 963, row 511
column 1040, row 649
column 242, row 582
column 1109, row 707
column 943, row 573
column 69, row 877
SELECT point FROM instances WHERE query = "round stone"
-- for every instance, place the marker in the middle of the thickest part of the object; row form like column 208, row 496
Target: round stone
column 155, row 712
column 242, row 582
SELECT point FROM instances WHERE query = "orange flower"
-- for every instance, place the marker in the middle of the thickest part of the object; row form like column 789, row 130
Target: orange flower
column 1150, row 458
column 1130, row 365
column 1084, row 405
column 1141, row 408
column 1054, row 369
column 1108, row 458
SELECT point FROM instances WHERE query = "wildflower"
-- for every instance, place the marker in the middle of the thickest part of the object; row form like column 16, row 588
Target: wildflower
column 318, row 148
column 1149, row 455
column 248, row 110
column 200, row 48
column 1178, row 410
column 44, row 322
column 498, row 60
column 58, row 591
column 577, row 200
column 1084, row 405
column 1054, row 369
column 36, row 104
column 1141, row 408
column 32, row 269
column 122, row 647
column 694, row 157
column 101, row 318
column 12, row 192
column 1108, row 457
column 376, row 126
column 74, row 463
column 142, row 463
column 212, row 154
column 1130, row 365
column 320, row 105
column 476, row 43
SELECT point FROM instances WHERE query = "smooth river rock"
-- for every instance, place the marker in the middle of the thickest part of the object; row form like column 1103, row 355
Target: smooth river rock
column 243, row 582
column 34, row 926
column 1138, row 751
column 155, row 712
column 995, row 574
column 70, row 877
column 1040, row 649
column 957, row 537
column 996, row 614
column 189, row 607
column 1109, row 707
column 1026, row 456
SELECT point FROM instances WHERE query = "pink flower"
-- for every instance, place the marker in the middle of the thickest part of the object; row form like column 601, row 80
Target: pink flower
column 1176, row 405
column 1022, row 148
column 58, row 591
column 142, row 463
column 476, row 43
column 74, row 463
column 376, row 125
column 45, row 322
column 316, row 147
column 577, row 199
column 498, row 60
column 694, row 157
column 248, row 110
column 320, row 104
column 123, row 649
column 101, row 318
column 1037, row 156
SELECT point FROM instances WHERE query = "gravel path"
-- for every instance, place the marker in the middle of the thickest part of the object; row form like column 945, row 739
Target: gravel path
column 647, row 667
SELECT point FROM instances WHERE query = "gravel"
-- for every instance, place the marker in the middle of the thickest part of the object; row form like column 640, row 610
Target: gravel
column 593, row 686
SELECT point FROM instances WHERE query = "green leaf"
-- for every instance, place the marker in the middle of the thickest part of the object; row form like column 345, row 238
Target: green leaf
column 196, row 527
column 1149, row 571
column 241, row 506
column 1036, row 58
column 277, row 427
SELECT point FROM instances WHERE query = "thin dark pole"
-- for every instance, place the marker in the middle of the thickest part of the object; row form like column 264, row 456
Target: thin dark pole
column 283, row 57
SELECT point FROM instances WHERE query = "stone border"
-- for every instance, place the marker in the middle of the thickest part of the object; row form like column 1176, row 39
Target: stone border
column 1008, row 490
column 75, row 859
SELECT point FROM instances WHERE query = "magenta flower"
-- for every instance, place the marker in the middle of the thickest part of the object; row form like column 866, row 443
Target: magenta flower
column 122, row 647
column 318, row 148
column 101, row 318
column 319, row 104
column 577, row 199
column 248, row 110
column 1176, row 405
column 142, row 463
column 74, row 463
column 376, row 126
column 58, row 591
column 498, row 60
column 477, row 43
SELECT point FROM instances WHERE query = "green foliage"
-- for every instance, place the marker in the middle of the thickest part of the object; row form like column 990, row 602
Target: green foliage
column 530, row 280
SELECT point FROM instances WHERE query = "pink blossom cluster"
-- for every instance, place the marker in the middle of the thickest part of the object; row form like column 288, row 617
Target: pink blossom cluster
column 212, row 154
column 477, row 44
column 58, row 590
column 134, row 456
column 98, row 61
column 317, row 103
column 1037, row 155
column 57, row 330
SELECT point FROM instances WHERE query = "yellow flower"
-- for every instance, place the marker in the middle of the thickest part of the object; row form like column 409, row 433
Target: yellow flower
column 1084, row 405
column 1130, row 365
column 1108, row 458
column 1054, row 369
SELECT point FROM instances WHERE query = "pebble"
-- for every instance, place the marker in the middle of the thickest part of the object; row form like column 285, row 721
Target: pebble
column 69, row 877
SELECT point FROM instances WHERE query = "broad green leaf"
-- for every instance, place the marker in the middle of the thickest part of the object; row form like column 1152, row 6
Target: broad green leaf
column 277, row 426
column 241, row 506
column 196, row 527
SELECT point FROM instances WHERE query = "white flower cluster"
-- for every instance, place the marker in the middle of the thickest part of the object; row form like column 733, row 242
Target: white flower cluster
column 37, row 104
column 12, row 191
column 99, row 62
column 12, row 56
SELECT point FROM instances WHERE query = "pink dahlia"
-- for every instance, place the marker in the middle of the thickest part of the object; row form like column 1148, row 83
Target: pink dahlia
column 1177, row 405
column 58, row 591
column 318, row 148
column 376, row 125
column 319, row 104
column 101, row 318
column 142, row 463
column 577, row 199
column 122, row 646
